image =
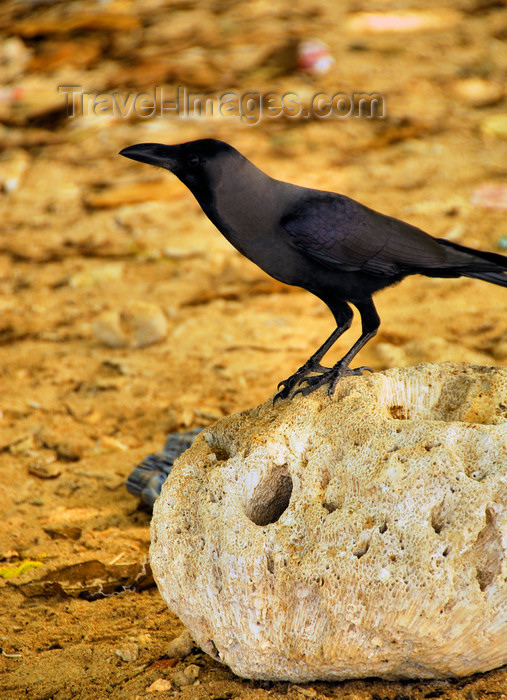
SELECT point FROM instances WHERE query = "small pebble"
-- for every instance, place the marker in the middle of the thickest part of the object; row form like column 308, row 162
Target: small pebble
column 101, row 274
column 403, row 22
column 490, row 196
column 307, row 692
column 12, row 169
column 72, row 449
column 136, row 325
column 477, row 92
column 21, row 445
column 181, row 646
column 186, row 677
column 159, row 686
column 192, row 672
column 64, row 532
column 180, row 679
column 45, row 471
column 128, row 652
column 111, row 443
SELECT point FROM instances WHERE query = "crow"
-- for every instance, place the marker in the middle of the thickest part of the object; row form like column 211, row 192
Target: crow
column 326, row 243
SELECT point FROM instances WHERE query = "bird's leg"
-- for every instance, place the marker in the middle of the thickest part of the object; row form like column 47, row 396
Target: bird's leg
column 370, row 324
column 311, row 365
column 343, row 316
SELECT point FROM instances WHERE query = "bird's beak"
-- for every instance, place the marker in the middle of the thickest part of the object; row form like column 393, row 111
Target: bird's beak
column 153, row 154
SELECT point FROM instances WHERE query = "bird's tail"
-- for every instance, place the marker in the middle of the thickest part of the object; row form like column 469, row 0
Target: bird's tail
column 490, row 267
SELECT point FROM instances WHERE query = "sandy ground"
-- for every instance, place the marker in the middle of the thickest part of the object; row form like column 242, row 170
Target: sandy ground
column 95, row 249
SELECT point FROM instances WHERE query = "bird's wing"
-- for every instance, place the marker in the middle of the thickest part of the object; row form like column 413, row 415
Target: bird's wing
column 341, row 233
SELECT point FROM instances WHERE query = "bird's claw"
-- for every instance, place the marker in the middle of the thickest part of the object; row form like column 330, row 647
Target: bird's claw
column 313, row 382
column 286, row 385
column 357, row 371
column 283, row 394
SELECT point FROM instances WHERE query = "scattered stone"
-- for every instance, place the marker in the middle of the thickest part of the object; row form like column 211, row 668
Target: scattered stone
column 128, row 653
column 490, row 196
column 107, row 329
column 188, row 676
column 385, row 506
column 73, row 449
column 161, row 685
column 477, row 92
column 192, row 672
column 33, row 97
column 97, row 275
column 107, row 442
column 63, row 533
column 14, row 58
column 136, row 325
column 307, row 692
column 13, row 165
column 403, row 22
column 22, row 445
column 180, row 646
column 48, row 470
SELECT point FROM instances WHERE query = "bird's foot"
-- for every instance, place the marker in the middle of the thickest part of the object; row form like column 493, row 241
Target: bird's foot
column 287, row 385
column 329, row 378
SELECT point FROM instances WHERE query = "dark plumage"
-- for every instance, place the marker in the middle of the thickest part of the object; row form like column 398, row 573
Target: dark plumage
column 147, row 477
column 336, row 248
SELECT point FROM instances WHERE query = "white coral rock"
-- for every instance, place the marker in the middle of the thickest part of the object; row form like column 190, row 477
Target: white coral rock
column 364, row 535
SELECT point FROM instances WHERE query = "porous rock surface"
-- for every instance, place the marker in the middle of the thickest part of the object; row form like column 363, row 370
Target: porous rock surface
column 363, row 535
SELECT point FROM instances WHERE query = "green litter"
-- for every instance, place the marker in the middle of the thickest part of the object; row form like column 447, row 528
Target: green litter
column 18, row 569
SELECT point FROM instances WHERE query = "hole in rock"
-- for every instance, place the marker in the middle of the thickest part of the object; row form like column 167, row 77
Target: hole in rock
column 331, row 506
column 362, row 549
column 439, row 517
column 219, row 450
column 325, row 478
column 488, row 551
column 270, row 563
column 220, row 453
column 270, row 497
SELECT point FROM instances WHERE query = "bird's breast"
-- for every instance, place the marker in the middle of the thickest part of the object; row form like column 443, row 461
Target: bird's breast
column 249, row 219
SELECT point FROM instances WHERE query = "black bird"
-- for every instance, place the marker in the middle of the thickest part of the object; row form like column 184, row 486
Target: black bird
column 329, row 244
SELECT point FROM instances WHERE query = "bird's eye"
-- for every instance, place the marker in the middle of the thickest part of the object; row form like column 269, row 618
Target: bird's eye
column 193, row 160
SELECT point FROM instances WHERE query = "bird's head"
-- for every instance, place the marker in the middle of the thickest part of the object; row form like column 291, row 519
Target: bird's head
column 198, row 164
